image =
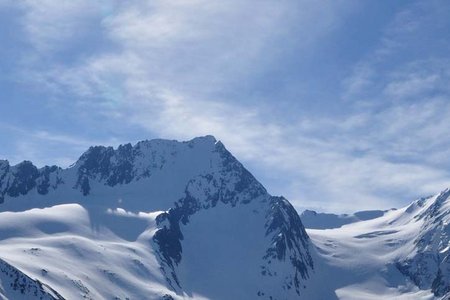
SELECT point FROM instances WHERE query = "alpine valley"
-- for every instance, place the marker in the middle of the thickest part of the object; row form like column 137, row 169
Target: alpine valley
column 178, row 220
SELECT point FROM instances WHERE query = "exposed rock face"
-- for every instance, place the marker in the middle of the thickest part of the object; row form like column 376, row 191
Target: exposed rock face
column 20, row 179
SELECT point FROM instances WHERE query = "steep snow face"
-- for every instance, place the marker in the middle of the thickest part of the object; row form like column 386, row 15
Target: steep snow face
column 16, row 285
column 428, row 263
column 402, row 254
column 198, row 223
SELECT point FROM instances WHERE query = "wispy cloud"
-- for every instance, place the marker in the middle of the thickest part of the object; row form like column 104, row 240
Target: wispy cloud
column 73, row 19
column 419, row 79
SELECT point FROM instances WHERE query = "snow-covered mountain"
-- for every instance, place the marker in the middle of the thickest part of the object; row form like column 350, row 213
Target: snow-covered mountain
column 178, row 220
column 428, row 261
column 403, row 254
column 157, row 220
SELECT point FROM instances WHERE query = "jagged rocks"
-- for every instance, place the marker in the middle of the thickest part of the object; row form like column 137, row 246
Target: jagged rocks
column 18, row 180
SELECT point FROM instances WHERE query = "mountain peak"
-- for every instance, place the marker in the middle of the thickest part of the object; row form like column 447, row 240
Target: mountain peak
column 207, row 213
column 130, row 169
column 204, row 139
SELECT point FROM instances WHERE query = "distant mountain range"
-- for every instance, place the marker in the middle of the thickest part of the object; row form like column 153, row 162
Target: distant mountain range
column 316, row 220
column 177, row 220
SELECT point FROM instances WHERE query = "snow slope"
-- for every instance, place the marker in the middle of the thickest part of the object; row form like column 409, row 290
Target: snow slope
column 80, row 253
column 157, row 220
column 14, row 284
column 400, row 255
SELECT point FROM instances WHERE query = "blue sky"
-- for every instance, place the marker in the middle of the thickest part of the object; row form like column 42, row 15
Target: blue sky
column 337, row 105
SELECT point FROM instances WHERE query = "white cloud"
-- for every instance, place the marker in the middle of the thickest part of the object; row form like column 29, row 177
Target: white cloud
column 408, row 106
column 49, row 24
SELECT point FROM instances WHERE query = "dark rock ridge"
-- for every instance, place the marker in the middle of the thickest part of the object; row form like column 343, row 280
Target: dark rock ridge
column 22, row 178
column 108, row 165
column 99, row 164
column 125, row 164
column 429, row 265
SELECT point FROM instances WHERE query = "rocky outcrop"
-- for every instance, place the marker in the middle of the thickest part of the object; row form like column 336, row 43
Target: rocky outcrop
column 20, row 179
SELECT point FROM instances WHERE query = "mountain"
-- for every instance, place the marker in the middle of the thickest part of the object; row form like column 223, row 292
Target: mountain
column 428, row 261
column 402, row 254
column 177, row 220
column 318, row 220
column 158, row 220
